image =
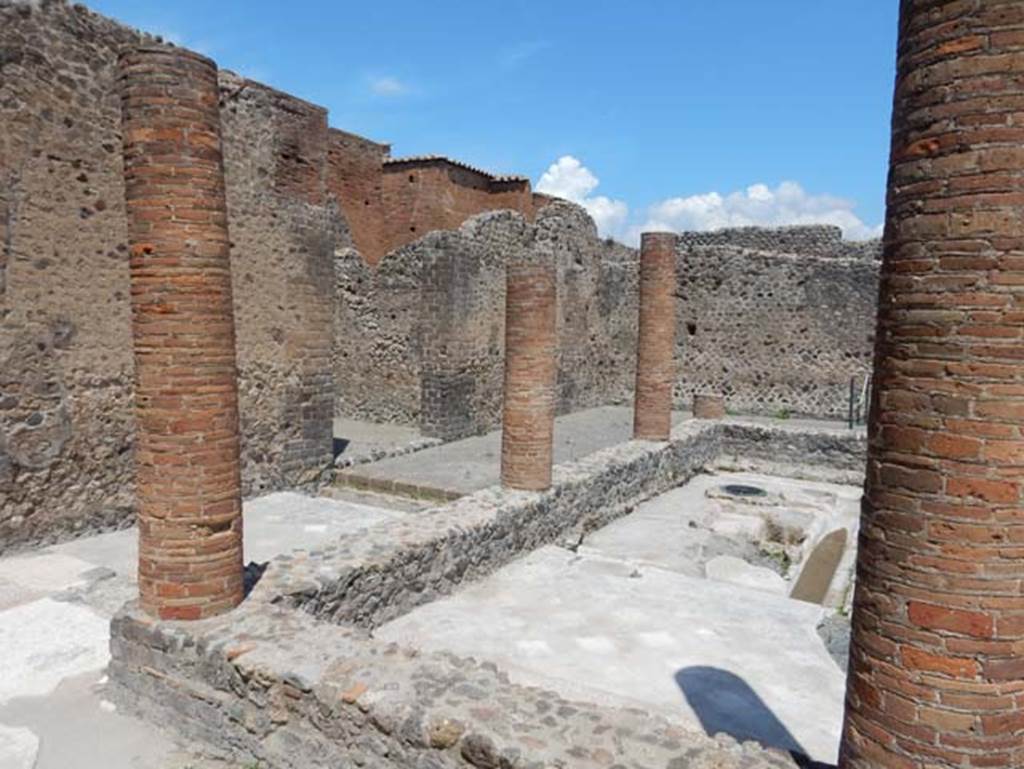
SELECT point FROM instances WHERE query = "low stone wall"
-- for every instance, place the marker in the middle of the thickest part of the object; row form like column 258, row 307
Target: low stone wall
column 293, row 678
column 806, row 450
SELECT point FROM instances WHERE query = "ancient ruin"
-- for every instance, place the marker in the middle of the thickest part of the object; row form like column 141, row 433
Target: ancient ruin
column 314, row 456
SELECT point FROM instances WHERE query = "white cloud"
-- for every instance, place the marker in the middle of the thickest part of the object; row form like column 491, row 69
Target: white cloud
column 388, row 86
column 758, row 205
column 568, row 178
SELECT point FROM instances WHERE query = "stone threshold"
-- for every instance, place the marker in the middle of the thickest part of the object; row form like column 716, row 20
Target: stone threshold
column 294, row 678
column 353, row 479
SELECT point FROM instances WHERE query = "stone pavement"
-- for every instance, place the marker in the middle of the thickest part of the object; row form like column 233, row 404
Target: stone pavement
column 631, row 618
column 464, row 466
column 357, row 442
column 55, row 610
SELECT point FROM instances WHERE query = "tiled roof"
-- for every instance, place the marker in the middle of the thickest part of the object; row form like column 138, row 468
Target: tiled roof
column 416, row 159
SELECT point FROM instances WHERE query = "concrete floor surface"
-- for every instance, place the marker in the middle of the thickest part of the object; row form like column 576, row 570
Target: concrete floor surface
column 629, row 619
column 357, row 441
column 55, row 610
column 473, row 463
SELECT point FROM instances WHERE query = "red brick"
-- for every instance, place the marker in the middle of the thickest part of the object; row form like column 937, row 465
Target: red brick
column 943, row 618
column 530, row 371
column 655, row 362
column 918, row 659
column 942, row 497
column 187, row 459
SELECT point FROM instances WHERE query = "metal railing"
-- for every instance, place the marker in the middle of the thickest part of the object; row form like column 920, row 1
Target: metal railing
column 858, row 403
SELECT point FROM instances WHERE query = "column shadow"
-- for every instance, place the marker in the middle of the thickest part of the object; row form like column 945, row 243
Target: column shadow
column 724, row 702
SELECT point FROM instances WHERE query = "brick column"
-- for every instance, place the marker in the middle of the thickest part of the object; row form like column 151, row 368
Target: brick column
column 655, row 358
column 937, row 662
column 530, row 369
column 186, row 391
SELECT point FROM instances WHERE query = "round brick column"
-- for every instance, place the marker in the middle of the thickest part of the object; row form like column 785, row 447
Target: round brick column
column 186, row 391
column 530, row 369
column 655, row 358
column 937, row 661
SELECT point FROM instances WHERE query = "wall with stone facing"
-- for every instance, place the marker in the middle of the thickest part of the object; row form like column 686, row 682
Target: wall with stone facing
column 420, row 339
column 65, row 328
column 66, row 427
column 773, row 329
column 813, row 240
column 284, row 228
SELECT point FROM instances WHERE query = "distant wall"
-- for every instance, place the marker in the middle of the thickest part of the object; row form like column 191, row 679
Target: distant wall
column 421, row 195
column 426, row 328
column 771, row 327
column 66, row 427
column 419, row 339
column 354, row 177
column 806, row 240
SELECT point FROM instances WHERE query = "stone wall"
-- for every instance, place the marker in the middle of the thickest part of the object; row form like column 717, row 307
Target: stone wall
column 812, row 240
column 772, row 329
column 420, row 340
column 285, row 228
column 66, row 428
column 65, row 328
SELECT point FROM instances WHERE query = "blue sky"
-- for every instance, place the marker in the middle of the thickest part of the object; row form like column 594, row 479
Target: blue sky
column 690, row 113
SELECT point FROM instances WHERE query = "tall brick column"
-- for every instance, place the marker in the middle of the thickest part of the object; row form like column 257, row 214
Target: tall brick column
column 190, row 522
column 937, row 663
column 530, row 370
column 655, row 359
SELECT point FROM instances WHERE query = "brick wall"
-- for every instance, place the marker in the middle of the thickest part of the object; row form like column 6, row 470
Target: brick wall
column 354, row 178
column 423, row 195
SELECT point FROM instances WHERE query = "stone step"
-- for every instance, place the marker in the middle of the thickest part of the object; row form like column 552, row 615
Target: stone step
column 354, row 479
